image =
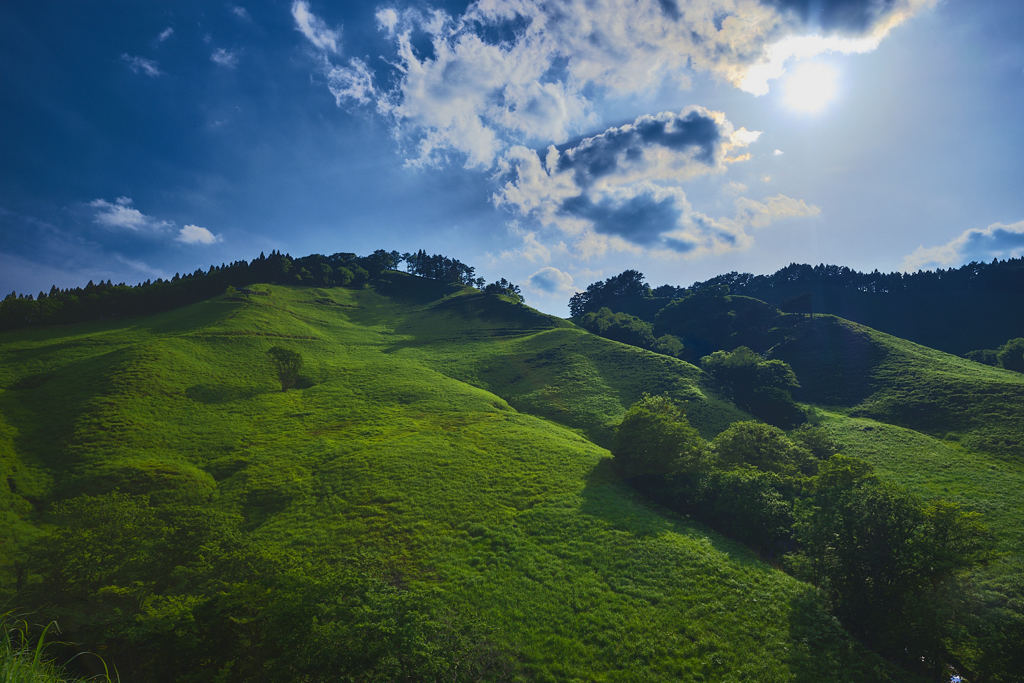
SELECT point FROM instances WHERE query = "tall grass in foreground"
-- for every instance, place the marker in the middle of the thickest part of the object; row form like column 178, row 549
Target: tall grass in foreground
column 24, row 658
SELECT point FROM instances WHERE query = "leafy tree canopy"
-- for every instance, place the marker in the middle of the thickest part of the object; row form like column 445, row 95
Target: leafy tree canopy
column 762, row 446
column 655, row 438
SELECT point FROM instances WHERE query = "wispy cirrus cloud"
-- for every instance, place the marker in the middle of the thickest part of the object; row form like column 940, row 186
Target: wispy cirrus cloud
column 122, row 214
column 165, row 34
column 315, row 29
column 998, row 240
column 141, row 65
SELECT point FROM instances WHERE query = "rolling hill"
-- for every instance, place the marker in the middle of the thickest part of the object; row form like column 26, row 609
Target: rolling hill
column 434, row 501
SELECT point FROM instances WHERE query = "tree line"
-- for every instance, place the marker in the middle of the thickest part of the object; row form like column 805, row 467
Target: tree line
column 105, row 300
column 981, row 297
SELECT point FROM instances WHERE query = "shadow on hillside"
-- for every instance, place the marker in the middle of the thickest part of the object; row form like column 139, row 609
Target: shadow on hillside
column 819, row 644
column 819, row 648
column 834, row 360
column 44, row 407
column 607, row 497
column 410, row 289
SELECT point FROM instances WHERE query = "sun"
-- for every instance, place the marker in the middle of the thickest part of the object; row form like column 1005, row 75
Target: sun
column 810, row 87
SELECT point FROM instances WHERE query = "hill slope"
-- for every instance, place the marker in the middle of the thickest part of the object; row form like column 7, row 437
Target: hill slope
column 414, row 511
column 874, row 374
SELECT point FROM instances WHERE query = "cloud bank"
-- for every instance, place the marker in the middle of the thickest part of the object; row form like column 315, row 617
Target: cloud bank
column 624, row 188
column 999, row 240
column 529, row 72
column 516, row 89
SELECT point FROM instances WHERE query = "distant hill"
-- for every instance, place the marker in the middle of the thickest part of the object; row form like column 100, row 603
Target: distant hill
column 975, row 306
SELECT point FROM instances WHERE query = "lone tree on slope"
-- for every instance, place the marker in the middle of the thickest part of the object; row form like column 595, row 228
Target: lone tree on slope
column 288, row 363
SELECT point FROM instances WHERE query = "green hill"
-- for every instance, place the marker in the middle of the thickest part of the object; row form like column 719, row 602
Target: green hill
column 873, row 374
column 431, row 503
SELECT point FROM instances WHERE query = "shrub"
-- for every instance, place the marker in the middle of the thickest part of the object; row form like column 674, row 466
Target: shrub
column 655, row 438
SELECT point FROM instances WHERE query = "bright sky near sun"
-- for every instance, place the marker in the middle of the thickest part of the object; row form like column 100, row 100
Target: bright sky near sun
column 553, row 144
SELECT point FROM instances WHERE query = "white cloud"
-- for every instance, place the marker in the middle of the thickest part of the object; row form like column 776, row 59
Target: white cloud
column 998, row 240
column 141, row 65
column 121, row 214
column 778, row 153
column 387, row 20
column 241, row 13
column 476, row 96
column 489, row 87
column 165, row 34
column 531, row 248
column 194, row 234
column 755, row 214
column 225, row 58
column 550, row 280
column 622, row 189
column 352, row 82
column 315, row 29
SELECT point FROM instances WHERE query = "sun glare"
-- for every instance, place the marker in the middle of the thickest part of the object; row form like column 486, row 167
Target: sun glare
column 810, row 87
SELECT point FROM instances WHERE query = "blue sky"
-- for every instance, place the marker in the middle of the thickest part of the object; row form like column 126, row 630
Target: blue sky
column 553, row 144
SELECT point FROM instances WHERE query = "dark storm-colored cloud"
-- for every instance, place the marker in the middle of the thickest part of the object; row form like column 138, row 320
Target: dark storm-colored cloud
column 600, row 155
column 842, row 15
column 641, row 219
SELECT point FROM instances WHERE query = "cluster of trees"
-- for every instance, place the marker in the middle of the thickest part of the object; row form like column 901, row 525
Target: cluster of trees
column 106, row 300
column 630, row 329
column 505, row 288
column 889, row 562
column 1010, row 355
column 761, row 387
column 981, row 297
column 438, row 267
column 688, row 326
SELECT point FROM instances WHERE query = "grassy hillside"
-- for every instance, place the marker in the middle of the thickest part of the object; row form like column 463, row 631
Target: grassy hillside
column 987, row 484
column 872, row 374
column 431, row 503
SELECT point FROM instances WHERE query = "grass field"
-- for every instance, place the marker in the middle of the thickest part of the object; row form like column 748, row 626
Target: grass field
column 433, row 497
